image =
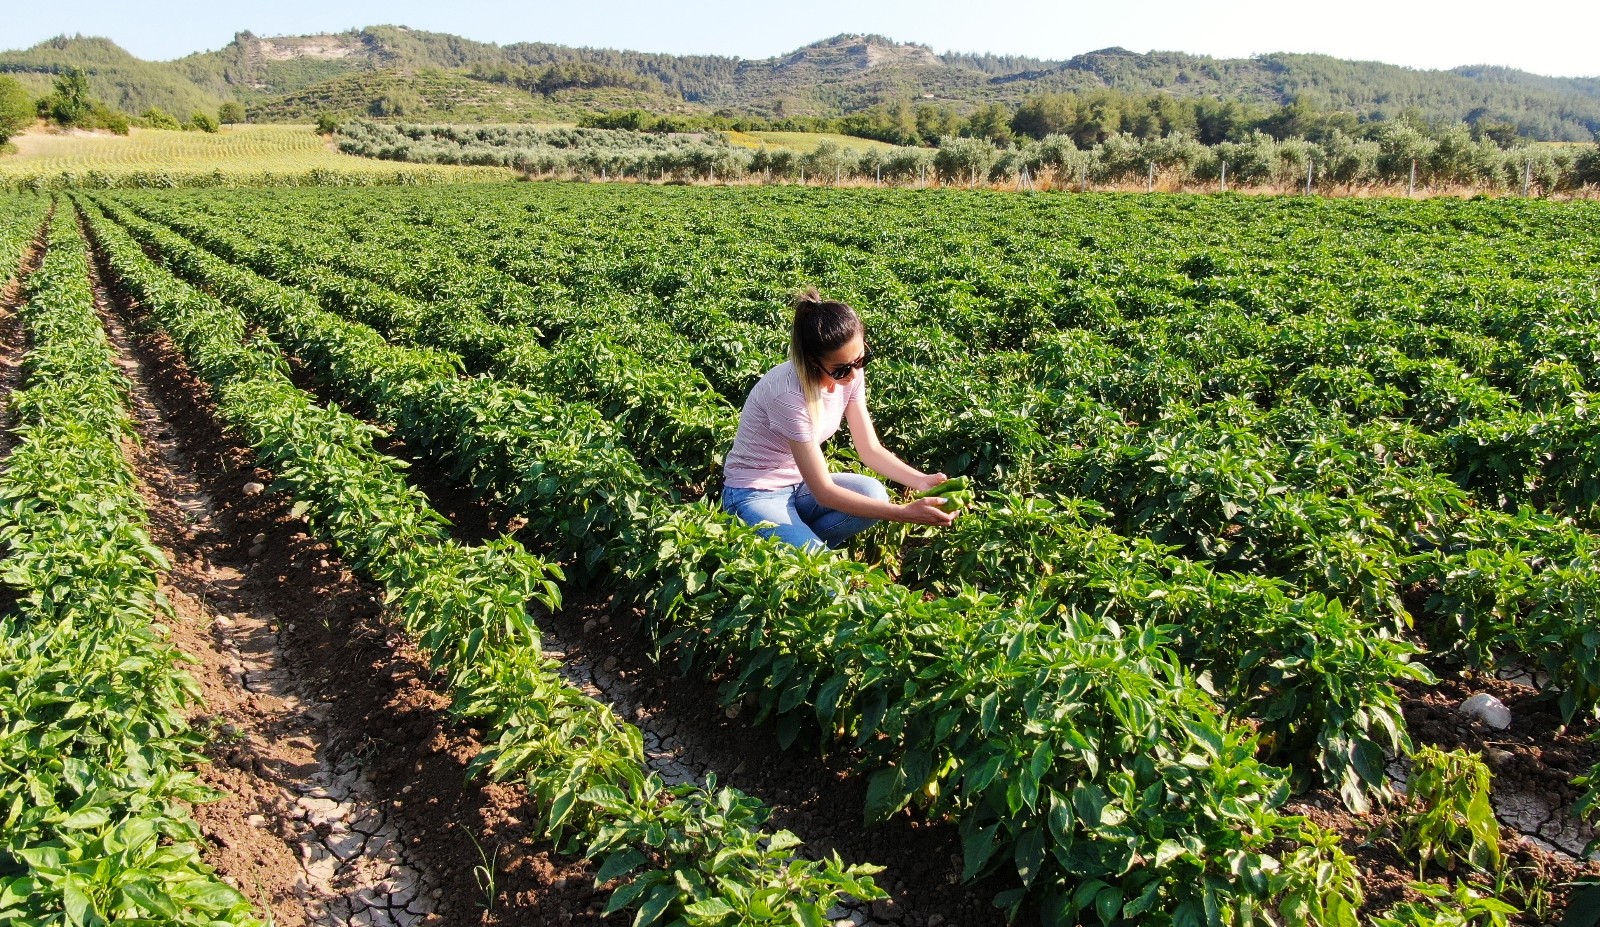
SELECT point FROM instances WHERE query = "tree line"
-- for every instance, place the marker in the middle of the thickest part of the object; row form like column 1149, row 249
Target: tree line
column 1088, row 118
column 70, row 105
column 1400, row 153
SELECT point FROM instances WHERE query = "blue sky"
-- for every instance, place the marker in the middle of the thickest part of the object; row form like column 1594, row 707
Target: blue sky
column 1556, row 38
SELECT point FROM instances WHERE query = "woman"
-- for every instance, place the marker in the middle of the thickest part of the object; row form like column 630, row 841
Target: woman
column 775, row 476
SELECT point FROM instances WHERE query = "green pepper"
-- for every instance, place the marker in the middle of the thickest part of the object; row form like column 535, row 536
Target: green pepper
column 955, row 493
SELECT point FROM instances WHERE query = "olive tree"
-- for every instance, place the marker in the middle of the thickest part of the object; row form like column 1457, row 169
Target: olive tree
column 964, row 160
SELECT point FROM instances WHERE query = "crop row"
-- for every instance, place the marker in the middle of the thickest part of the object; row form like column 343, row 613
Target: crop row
column 683, row 855
column 21, row 218
column 1359, row 435
column 1265, row 648
column 94, row 743
column 675, row 424
column 1027, row 731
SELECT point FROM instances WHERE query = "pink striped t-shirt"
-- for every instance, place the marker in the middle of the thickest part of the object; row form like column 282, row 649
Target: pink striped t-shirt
column 775, row 414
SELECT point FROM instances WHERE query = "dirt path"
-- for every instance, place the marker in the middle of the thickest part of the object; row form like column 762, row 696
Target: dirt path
column 346, row 800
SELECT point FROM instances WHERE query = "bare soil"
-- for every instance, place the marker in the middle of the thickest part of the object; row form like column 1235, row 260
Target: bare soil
column 1532, row 765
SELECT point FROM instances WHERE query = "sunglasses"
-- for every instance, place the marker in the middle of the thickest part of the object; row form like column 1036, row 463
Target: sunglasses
column 843, row 370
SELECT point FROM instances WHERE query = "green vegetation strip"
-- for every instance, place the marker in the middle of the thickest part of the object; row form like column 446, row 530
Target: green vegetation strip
column 1266, row 647
column 683, row 855
column 95, row 752
column 21, row 218
column 1311, row 392
column 1084, row 756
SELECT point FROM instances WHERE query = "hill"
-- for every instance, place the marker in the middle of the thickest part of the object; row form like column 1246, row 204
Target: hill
column 298, row 77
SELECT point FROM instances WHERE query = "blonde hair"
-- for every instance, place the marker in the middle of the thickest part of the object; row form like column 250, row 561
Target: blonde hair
column 820, row 327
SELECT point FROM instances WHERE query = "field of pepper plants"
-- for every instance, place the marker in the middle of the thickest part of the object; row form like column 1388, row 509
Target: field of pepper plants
column 1259, row 483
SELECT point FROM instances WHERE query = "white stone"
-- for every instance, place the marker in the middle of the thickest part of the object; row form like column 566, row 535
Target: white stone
column 254, row 488
column 1488, row 709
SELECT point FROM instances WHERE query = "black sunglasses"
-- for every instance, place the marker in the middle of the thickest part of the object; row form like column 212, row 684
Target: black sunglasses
column 843, row 370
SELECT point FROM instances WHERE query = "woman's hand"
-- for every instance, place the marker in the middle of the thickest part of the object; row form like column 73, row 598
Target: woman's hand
column 926, row 511
column 927, row 481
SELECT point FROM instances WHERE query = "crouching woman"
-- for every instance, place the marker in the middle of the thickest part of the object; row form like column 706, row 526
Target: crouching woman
column 775, row 476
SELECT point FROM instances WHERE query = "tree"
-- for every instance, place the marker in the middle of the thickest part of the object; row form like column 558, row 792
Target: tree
column 827, row 161
column 1401, row 144
column 157, row 118
column 16, row 108
column 203, row 122
column 964, row 160
column 992, row 122
column 396, row 103
column 231, row 113
column 935, row 122
column 1587, row 167
column 70, row 104
column 326, row 124
column 1045, row 114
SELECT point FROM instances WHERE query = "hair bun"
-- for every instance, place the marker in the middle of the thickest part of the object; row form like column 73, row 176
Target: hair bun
column 806, row 300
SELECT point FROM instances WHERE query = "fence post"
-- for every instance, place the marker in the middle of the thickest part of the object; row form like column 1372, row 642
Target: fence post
column 1311, row 165
column 1150, row 184
column 1083, row 178
column 1224, row 177
column 1527, row 175
column 1411, row 185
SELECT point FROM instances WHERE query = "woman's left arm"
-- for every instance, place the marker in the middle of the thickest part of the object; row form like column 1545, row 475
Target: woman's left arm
column 880, row 458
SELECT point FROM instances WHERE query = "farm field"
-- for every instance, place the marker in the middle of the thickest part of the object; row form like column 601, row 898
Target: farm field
column 235, row 155
column 1268, row 488
column 807, row 141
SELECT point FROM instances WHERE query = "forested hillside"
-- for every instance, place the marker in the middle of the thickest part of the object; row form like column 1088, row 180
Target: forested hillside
column 369, row 71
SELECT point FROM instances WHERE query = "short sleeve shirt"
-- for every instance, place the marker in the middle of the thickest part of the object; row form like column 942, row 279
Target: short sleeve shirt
column 775, row 414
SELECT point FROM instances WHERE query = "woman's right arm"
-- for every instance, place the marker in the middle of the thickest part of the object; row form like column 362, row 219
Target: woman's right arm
column 814, row 470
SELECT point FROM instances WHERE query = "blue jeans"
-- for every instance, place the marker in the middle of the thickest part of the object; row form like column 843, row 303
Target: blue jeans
column 795, row 515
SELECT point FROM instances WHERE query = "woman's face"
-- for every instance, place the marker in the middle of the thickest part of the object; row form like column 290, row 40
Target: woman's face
column 848, row 353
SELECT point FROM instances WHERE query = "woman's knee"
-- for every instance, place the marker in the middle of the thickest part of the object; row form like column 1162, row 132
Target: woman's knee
column 862, row 484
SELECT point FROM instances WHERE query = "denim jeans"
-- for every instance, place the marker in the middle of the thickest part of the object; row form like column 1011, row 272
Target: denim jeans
column 795, row 515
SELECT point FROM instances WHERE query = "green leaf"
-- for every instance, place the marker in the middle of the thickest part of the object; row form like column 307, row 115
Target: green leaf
column 627, row 894
column 655, row 904
column 87, row 818
column 1168, row 851
column 828, row 701
column 978, row 846
column 1029, row 855
column 1107, row 903
column 710, row 908
column 75, row 899
column 617, row 864
column 884, row 795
